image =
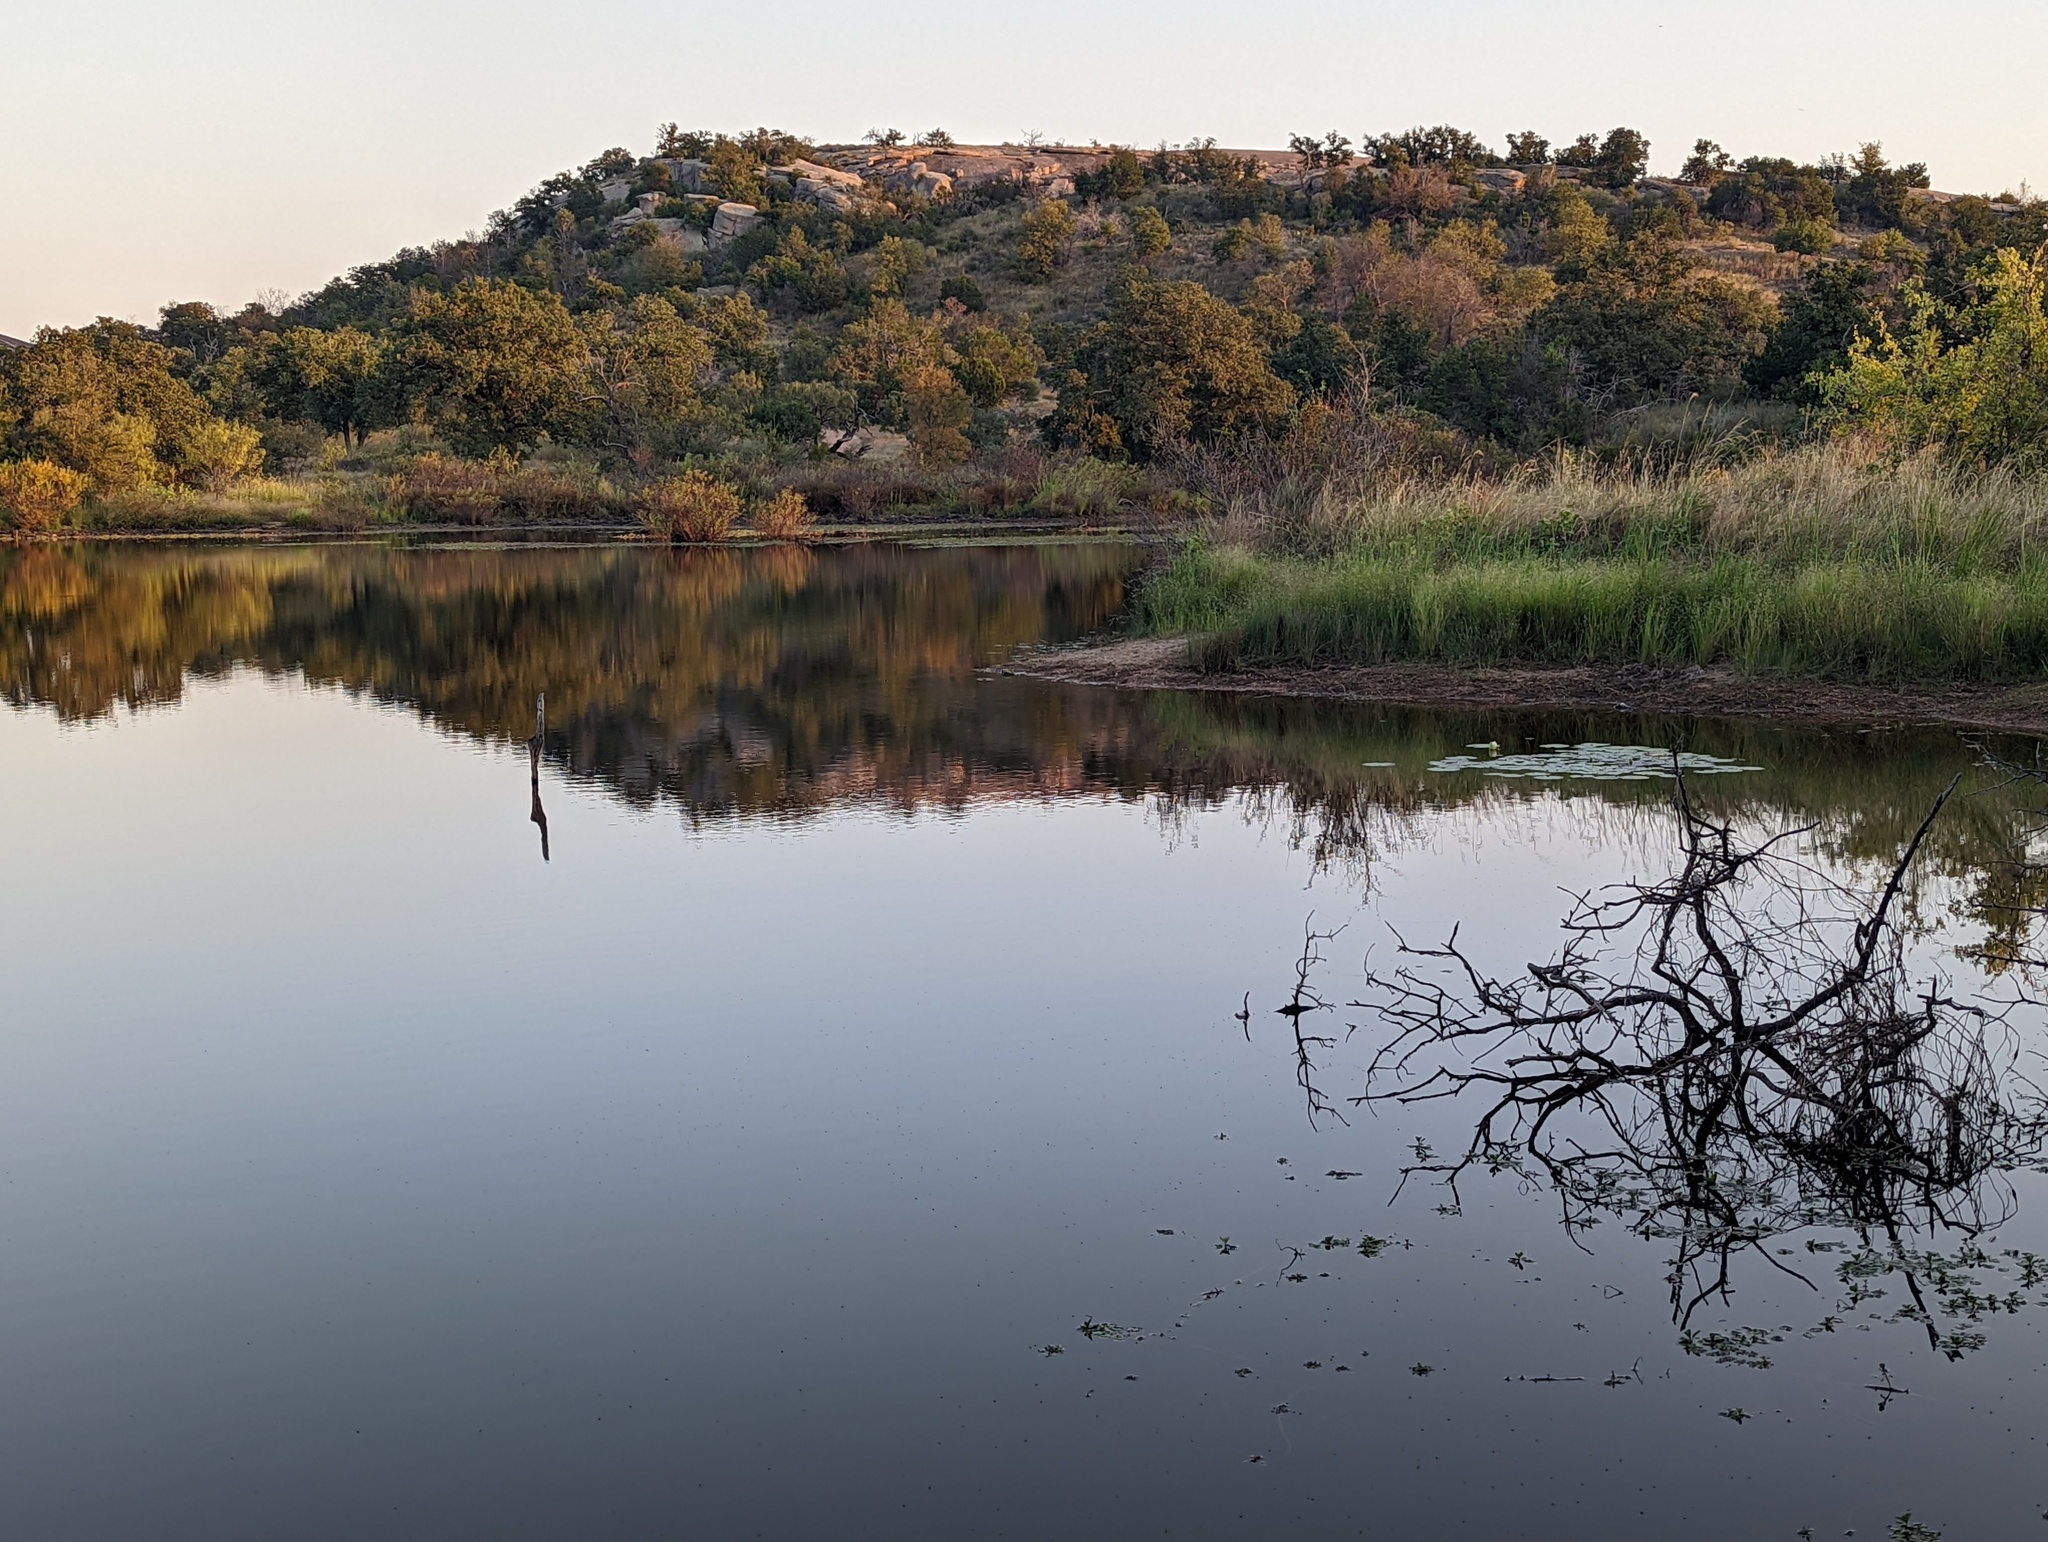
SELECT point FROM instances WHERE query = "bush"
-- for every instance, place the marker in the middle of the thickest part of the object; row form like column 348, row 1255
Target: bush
column 964, row 289
column 1812, row 237
column 1150, row 234
column 1047, row 233
column 1233, row 243
column 695, row 506
column 215, row 454
column 35, row 495
column 1970, row 380
column 785, row 517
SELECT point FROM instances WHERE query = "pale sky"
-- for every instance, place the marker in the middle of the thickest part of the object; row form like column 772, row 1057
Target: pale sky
column 213, row 149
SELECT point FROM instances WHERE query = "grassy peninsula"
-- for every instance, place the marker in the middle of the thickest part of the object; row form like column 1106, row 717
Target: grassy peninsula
column 1829, row 561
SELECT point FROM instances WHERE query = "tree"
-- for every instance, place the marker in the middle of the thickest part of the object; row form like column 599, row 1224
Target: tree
column 935, row 139
column 103, row 400
column 1121, row 176
column 811, row 275
column 738, row 331
column 647, row 364
column 773, row 146
column 939, row 413
column 1528, row 148
column 1970, row 381
column 1765, row 192
column 1042, row 242
column 215, row 453
column 673, row 143
column 1319, row 358
column 1517, row 390
column 1877, row 193
column 879, row 353
column 1810, row 237
column 1704, row 167
column 892, row 263
column 963, row 291
column 1442, row 145
column 995, row 362
column 1818, row 325
column 1325, row 154
column 1645, row 322
column 695, row 506
column 615, row 162
column 652, row 261
column 1581, row 153
column 1623, row 157
column 1393, row 344
column 736, row 172
column 1171, row 364
column 193, row 327
column 330, row 378
column 492, row 365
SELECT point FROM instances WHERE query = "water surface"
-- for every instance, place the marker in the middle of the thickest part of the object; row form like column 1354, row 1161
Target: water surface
column 867, row 1027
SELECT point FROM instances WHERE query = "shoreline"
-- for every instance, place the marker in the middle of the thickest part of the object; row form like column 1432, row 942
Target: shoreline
column 599, row 534
column 1160, row 664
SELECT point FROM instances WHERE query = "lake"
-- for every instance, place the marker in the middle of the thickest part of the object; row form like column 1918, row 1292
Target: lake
column 832, row 1089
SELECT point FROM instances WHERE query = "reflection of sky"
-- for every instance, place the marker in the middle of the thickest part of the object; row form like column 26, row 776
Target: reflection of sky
column 362, row 1169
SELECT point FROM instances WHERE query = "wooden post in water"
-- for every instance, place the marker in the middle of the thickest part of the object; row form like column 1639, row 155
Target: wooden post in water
column 540, row 728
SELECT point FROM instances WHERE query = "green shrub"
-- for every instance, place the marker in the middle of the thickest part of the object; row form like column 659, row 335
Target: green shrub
column 1809, row 236
column 1048, row 232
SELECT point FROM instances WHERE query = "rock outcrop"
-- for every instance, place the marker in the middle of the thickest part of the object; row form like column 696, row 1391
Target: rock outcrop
column 731, row 221
column 826, row 186
column 685, row 176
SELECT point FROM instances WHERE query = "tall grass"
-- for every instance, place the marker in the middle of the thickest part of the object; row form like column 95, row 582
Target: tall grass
column 1823, row 561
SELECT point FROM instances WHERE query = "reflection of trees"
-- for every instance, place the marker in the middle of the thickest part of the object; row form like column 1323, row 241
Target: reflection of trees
column 783, row 679
column 1346, row 782
column 1738, row 1051
column 731, row 680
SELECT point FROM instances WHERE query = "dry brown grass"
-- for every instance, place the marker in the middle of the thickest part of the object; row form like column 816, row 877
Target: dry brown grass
column 1838, row 499
column 444, row 488
column 438, row 487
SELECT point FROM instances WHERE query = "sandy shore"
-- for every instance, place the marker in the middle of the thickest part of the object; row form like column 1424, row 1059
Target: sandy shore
column 1162, row 664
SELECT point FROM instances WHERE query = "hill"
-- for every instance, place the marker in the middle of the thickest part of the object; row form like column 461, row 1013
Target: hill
column 999, row 327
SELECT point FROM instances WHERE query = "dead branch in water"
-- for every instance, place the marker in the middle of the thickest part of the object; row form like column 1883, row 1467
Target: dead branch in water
column 1738, row 1050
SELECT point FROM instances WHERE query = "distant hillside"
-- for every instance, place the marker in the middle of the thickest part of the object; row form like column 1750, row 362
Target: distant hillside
column 755, row 300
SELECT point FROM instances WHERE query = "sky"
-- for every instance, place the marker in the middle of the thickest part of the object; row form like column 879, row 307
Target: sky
column 222, row 149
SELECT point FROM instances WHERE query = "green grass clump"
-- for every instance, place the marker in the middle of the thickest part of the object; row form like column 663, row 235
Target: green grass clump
column 1810, row 565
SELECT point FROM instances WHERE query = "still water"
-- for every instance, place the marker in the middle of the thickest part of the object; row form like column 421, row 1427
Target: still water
column 810, row 1098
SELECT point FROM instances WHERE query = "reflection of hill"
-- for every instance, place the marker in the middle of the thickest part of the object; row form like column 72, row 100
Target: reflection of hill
column 779, row 680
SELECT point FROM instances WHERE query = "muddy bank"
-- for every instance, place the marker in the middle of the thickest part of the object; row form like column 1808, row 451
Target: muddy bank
column 1162, row 664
